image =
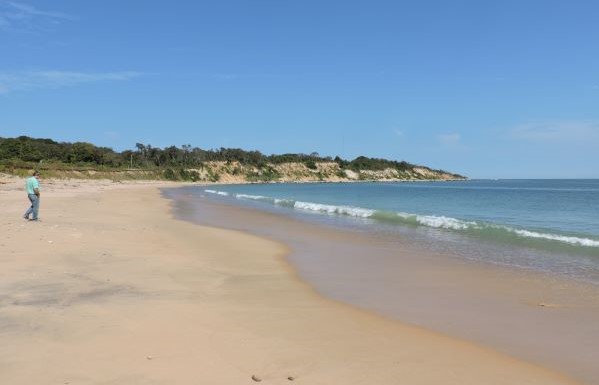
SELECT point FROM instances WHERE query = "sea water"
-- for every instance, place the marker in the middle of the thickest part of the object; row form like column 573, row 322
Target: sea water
column 546, row 225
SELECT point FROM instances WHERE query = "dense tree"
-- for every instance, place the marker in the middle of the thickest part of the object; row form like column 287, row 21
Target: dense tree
column 32, row 150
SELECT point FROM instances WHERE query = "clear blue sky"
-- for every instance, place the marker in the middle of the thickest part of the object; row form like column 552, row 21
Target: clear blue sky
column 489, row 89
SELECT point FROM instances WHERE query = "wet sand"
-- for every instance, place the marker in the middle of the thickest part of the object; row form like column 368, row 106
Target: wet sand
column 110, row 289
column 540, row 318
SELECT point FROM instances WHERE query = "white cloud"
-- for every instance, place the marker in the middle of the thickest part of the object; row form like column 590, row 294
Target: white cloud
column 449, row 140
column 18, row 15
column 573, row 132
column 28, row 80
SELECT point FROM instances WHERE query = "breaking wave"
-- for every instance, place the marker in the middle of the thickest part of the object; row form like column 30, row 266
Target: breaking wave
column 477, row 228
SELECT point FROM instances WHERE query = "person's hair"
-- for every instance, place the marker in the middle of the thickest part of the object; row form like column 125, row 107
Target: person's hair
column 36, row 173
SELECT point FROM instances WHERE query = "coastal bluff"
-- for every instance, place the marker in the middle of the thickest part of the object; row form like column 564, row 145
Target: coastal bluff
column 236, row 172
column 81, row 160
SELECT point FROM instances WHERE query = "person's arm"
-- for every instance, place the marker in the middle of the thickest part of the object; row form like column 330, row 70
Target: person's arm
column 36, row 187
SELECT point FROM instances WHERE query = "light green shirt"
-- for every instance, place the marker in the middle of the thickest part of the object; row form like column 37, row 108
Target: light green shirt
column 31, row 184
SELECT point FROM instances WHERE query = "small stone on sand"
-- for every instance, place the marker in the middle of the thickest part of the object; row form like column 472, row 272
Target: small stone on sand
column 256, row 378
column 545, row 304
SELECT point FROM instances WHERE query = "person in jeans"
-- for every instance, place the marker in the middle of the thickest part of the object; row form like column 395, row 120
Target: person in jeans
column 32, row 185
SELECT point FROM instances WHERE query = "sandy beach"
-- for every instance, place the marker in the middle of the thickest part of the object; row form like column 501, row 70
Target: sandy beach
column 110, row 288
column 537, row 317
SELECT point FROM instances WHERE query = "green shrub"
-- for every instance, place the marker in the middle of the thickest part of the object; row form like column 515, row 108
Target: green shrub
column 364, row 176
column 268, row 174
column 192, row 175
column 169, row 174
column 213, row 176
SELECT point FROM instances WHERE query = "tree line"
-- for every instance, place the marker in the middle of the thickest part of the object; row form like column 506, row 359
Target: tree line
column 82, row 154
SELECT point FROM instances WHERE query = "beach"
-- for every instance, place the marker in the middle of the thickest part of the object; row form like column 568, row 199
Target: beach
column 547, row 319
column 110, row 288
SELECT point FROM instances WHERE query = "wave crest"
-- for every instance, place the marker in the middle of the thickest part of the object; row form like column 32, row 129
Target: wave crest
column 434, row 221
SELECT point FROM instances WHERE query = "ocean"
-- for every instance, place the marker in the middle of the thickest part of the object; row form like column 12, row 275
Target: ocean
column 546, row 225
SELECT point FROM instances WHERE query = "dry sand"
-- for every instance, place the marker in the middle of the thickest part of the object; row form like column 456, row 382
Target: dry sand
column 110, row 289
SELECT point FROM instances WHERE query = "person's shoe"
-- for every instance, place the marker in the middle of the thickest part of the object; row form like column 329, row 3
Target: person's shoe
column 25, row 216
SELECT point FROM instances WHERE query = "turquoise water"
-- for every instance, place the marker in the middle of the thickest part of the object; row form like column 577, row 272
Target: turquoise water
column 542, row 224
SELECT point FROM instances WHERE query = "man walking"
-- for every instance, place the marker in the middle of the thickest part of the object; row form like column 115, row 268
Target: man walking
column 32, row 185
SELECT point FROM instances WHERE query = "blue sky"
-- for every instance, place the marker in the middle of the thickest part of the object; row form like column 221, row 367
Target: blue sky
column 489, row 89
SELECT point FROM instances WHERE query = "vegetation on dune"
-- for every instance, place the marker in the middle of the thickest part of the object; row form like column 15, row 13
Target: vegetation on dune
column 18, row 155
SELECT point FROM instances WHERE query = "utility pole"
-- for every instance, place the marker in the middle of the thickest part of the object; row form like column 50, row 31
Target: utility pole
column 131, row 161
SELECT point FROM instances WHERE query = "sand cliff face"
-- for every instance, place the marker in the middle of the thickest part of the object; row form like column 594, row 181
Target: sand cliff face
column 234, row 172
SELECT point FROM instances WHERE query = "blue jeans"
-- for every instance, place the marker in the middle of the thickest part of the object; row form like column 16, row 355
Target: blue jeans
column 35, row 206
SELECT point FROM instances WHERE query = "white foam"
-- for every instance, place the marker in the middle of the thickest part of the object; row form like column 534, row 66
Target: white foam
column 332, row 209
column 217, row 192
column 443, row 222
column 438, row 221
column 554, row 237
column 254, row 197
column 424, row 220
column 276, row 201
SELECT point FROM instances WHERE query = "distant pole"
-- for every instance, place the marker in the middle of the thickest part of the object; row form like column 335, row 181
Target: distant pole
column 131, row 161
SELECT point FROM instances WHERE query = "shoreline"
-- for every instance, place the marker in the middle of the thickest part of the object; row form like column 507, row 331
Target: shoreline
column 109, row 288
column 558, row 248
column 532, row 315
